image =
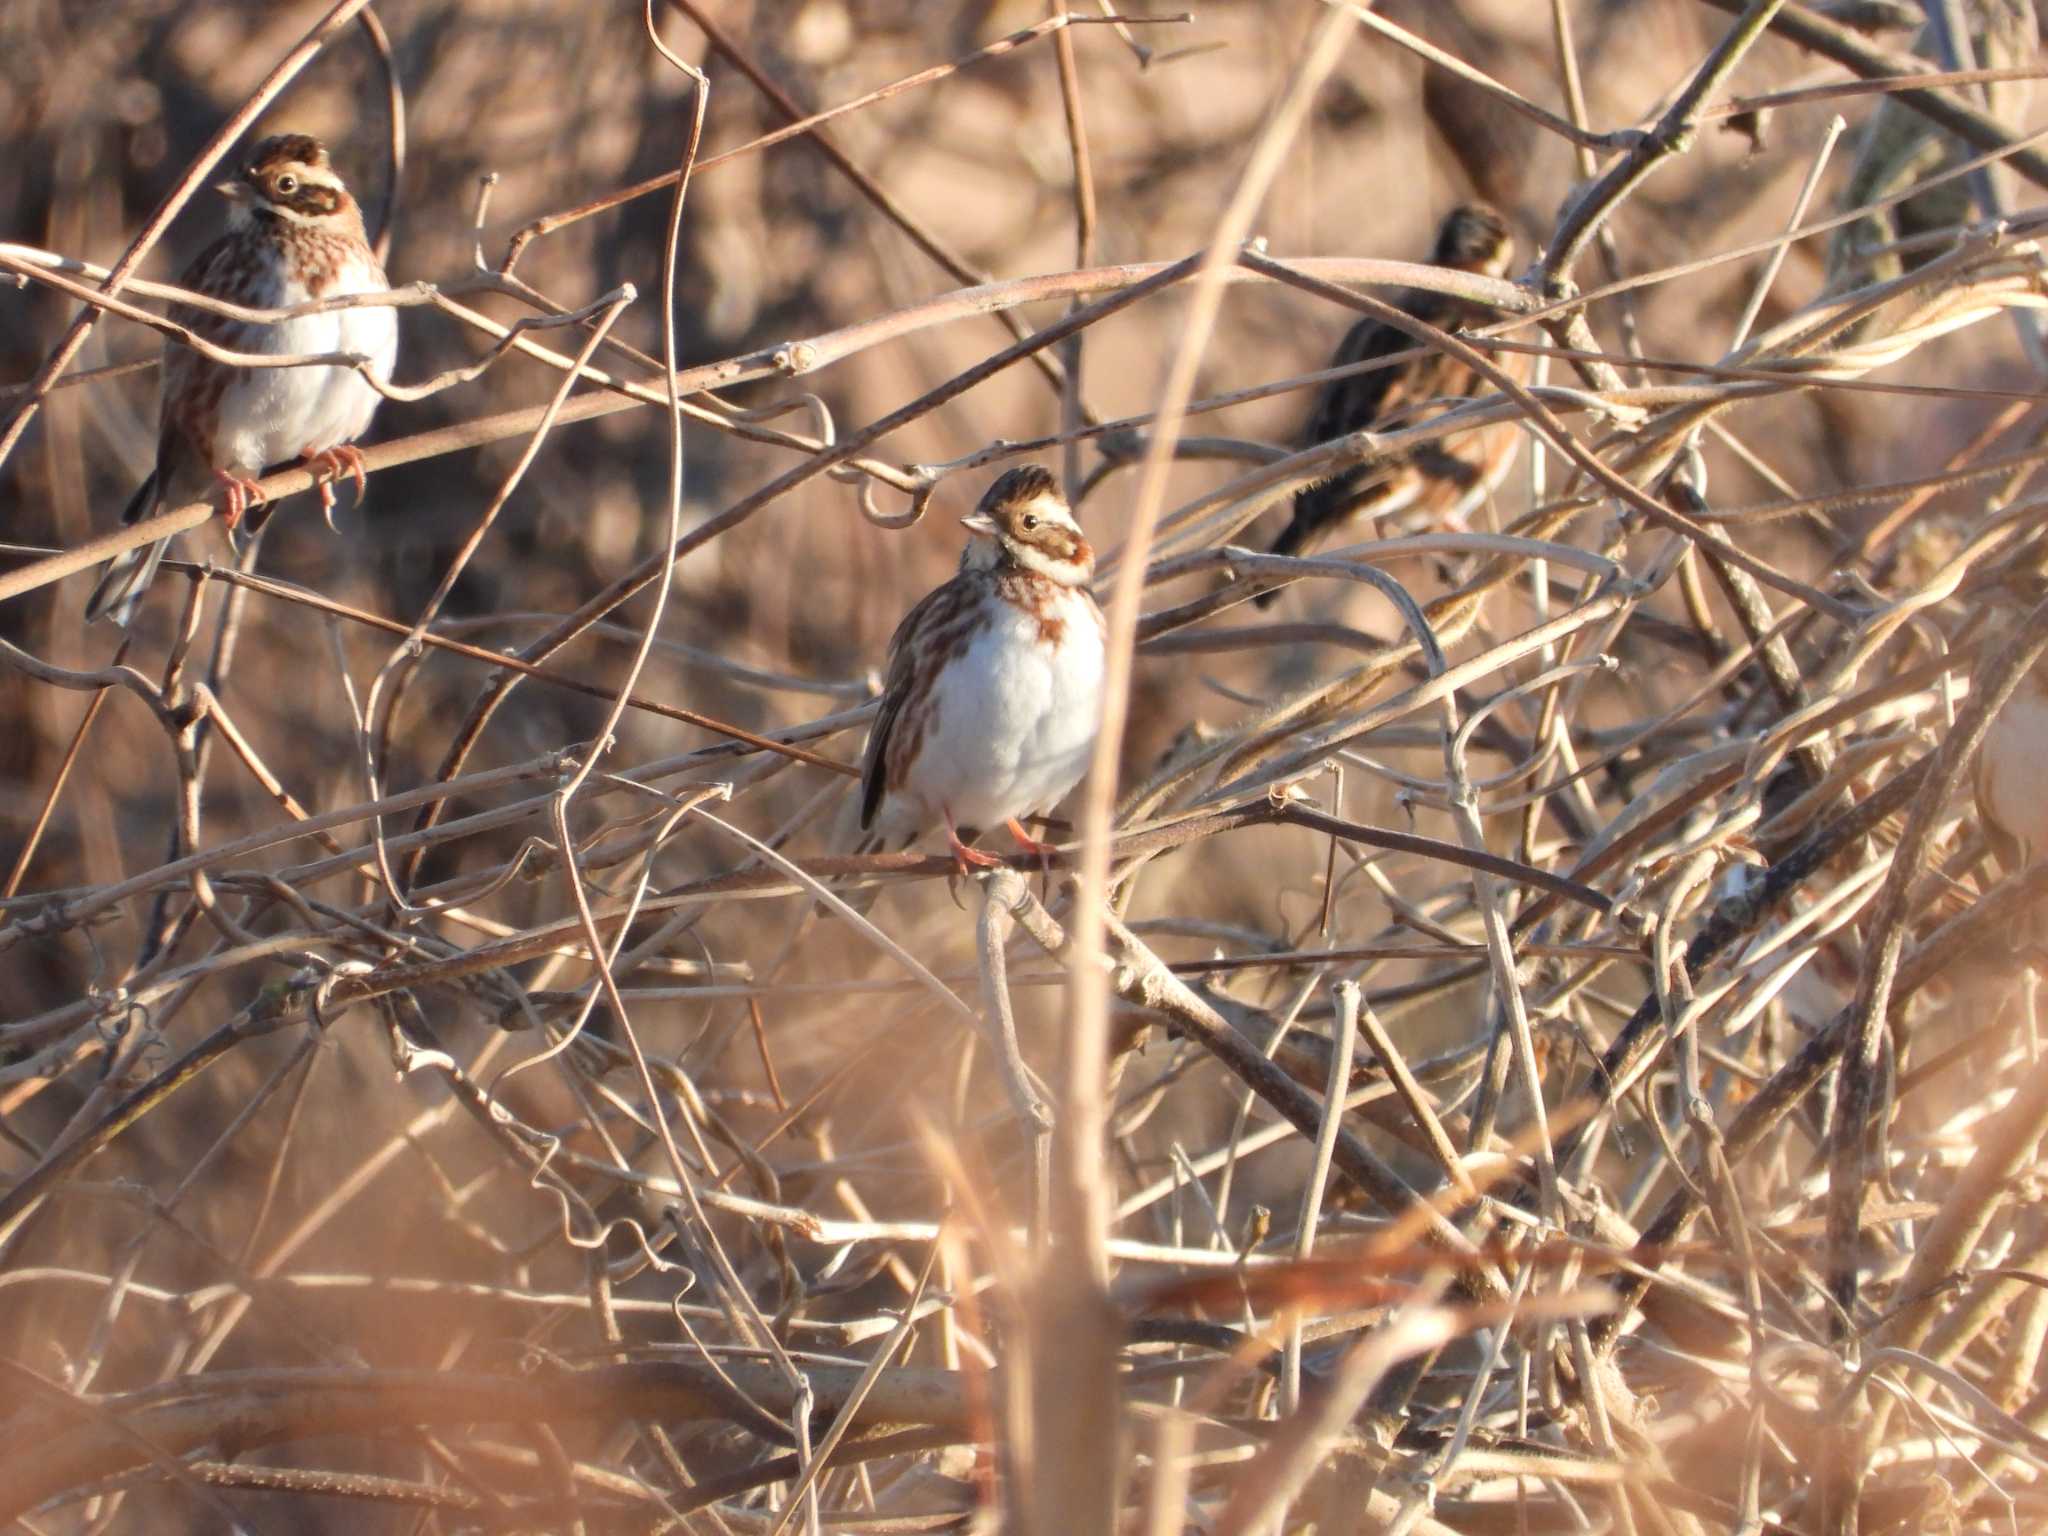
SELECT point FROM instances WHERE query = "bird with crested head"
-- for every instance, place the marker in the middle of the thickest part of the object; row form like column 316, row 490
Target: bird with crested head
column 993, row 697
column 294, row 234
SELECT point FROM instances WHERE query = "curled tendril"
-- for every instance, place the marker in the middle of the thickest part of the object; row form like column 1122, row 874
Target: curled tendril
column 822, row 425
column 324, row 978
column 925, row 483
column 116, row 1021
column 571, row 1208
column 486, row 184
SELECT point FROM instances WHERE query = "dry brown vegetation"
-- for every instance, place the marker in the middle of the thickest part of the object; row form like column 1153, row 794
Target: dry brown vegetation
column 441, row 1088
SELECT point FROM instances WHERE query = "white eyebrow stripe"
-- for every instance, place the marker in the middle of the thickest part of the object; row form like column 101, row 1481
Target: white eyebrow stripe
column 1053, row 510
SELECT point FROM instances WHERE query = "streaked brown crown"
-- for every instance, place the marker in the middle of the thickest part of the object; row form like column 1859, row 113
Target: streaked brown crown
column 1474, row 238
column 284, row 149
column 1013, row 487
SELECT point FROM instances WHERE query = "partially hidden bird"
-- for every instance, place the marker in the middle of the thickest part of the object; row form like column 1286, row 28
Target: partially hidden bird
column 994, row 692
column 294, row 235
column 1438, row 484
column 2009, row 770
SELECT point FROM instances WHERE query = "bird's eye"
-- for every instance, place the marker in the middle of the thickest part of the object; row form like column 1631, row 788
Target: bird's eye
column 1030, row 522
column 287, row 184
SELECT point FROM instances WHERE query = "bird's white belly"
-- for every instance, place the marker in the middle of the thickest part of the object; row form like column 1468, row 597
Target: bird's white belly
column 271, row 415
column 1015, row 721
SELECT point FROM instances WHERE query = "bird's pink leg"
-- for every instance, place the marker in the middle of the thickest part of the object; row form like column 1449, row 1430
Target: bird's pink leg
column 242, row 494
column 964, row 855
column 1043, row 852
column 1027, row 842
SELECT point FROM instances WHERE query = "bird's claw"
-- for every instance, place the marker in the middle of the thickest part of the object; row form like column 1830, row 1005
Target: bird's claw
column 963, row 856
column 1043, row 852
column 240, row 494
column 330, row 464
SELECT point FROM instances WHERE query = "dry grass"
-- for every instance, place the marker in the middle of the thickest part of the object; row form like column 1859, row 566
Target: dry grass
column 443, row 1089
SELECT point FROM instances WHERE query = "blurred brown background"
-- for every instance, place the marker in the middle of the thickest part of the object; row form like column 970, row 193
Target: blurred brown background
column 107, row 102
column 102, row 105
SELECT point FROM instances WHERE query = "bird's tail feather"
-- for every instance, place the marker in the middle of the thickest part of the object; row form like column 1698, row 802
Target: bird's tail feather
column 1309, row 515
column 848, row 836
column 127, row 576
column 1299, row 530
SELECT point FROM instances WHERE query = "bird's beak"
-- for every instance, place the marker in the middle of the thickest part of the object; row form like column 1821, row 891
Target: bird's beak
column 233, row 191
column 979, row 522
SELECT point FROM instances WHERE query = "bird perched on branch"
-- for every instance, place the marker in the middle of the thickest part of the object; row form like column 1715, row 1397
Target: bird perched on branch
column 994, row 690
column 294, row 235
column 1441, row 482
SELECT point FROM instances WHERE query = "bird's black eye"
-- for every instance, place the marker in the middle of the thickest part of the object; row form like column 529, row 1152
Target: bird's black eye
column 1030, row 522
column 287, row 184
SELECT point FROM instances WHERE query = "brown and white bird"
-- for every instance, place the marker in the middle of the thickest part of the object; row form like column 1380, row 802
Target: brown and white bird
column 1442, row 482
column 994, row 695
column 294, row 235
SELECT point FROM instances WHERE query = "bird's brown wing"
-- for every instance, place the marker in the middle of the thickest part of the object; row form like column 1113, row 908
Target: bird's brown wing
column 1344, row 406
column 936, row 609
column 190, row 387
column 193, row 383
column 211, row 272
column 1352, row 404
